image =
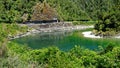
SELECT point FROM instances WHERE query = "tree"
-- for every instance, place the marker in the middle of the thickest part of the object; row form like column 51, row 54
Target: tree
column 42, row 11
column 108, row 23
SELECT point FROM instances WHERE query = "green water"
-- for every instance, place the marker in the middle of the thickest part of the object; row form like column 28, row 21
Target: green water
column 64, row 40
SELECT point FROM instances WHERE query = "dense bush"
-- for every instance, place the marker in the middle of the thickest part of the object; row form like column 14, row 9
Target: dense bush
column 7, row 31
column 20, row 56
column 108, row 23
column 109, row 20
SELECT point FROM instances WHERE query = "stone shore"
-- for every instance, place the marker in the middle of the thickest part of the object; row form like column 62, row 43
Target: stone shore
column 52, row 27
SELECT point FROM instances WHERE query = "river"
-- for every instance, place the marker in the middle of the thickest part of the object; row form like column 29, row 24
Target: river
column 63, row 40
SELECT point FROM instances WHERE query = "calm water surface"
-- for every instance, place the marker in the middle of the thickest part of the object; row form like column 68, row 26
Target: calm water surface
column 63, row 40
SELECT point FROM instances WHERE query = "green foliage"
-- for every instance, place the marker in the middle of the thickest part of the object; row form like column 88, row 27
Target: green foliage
column 20, row 56
column 13, row 10
column 14, row 55
column 108, row 23
column 109, row 20
column 6, row 31
column 70, row 10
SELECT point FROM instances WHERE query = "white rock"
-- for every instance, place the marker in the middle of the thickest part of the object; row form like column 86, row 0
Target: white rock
column 90, row 35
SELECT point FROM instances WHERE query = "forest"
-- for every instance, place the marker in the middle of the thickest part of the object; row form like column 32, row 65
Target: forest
column 19, row 10
column 105, row 13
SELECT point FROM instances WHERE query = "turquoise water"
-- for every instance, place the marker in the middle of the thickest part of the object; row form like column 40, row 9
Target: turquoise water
column 63, row 40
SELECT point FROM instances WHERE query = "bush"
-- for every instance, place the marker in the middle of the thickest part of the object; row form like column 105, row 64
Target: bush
column 108, row 24
column 19, row 56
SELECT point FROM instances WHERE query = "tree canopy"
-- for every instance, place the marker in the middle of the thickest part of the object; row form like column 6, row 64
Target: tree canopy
column 19, row 10
column 109, row 21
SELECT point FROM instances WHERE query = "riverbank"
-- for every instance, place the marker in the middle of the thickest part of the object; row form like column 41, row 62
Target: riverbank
column 89, row 34
column 40, row 28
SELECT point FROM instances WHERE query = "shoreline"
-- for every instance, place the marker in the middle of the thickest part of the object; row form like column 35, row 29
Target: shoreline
column 51, row 29
column 89, row 34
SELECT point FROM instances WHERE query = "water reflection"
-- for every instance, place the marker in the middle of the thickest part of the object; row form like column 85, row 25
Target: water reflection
column 63, row 40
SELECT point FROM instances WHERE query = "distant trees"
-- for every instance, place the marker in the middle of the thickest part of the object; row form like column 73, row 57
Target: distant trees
column 22, row 10
column 69, row 10
column 82, row 9
column 11, row 11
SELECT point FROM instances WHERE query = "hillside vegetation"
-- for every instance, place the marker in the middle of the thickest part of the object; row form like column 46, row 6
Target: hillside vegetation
column 22, row 10
column 106, row 14
column 108, row 24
